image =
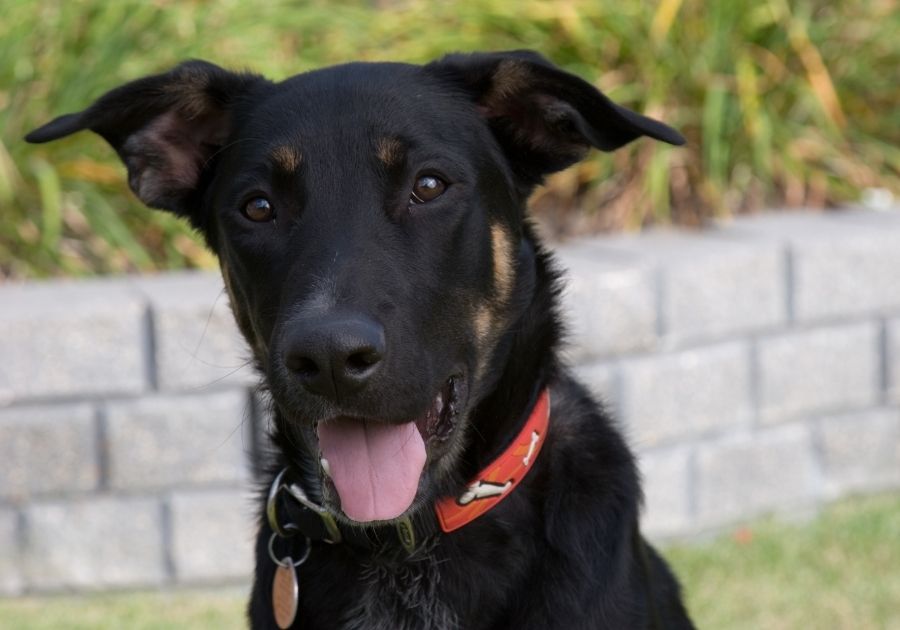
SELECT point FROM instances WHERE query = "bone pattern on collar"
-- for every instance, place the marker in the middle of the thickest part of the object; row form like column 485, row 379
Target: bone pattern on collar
column 494, row 483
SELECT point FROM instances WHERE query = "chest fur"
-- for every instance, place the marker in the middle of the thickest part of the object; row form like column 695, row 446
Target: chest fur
column 401, row 595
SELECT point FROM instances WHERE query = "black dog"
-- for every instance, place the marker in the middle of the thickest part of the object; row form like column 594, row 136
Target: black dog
column 439, row 467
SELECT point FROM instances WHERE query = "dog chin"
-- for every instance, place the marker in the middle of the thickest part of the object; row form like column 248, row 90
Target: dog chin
column 406, row 484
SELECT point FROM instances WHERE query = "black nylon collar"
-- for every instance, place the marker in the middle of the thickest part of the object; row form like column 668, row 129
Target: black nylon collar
column 290, row 511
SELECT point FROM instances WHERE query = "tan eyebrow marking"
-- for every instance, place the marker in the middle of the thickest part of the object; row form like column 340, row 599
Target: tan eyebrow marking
column 286, row 158
column 389, row 151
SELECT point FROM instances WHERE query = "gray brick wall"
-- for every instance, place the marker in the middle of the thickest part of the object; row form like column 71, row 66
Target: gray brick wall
column 667, row 475
column 212, row 535
column 611, row 300
column 11, row 580
column 72, row 339
column 821, row 251
column 94, row 543
column 691, row 392
column 171, row 440
column 752, row 473
column 831, row 367
column 755, row 368
column 860, row 451
column 196, row 342
column 48, row 449
column 710, row 286
column 892, row 360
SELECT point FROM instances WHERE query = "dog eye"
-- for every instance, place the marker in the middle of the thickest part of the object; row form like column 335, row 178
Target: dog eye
column 259, row 209
column 427, row 187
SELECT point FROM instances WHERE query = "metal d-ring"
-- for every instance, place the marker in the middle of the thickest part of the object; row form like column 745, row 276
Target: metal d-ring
column 331, row 527
column 271, row 505
column 288, row 561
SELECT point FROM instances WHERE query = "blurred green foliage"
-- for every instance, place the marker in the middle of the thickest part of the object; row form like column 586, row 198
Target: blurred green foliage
column 783, row 103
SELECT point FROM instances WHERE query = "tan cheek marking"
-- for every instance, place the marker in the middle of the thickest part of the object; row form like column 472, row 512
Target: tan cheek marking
column 487, row 319
column 389, row 151
column 503, row 261
column 482, row 322
column 287, row 158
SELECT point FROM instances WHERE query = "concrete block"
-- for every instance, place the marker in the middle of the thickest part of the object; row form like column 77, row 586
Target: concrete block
column 170, row 440
column 609, row 302
column 740, row 477
column 713, row 285
column 11, row 582
column 197, row 342
column 892, row 359
column 94, row 544
column 810, row 371
column 602, row 380
column 666, row 476
column 843, row 263
column 860, row 451
column 213, row 534
column 681, row 395
column 48, row 449
column 72, row 338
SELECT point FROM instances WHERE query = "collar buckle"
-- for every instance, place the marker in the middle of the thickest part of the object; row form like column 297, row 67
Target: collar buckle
column 333, row 533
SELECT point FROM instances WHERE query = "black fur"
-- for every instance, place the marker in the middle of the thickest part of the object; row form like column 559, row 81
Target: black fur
column 455, row 288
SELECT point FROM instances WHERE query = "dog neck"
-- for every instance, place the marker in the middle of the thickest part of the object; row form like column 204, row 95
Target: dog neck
column 533, row 326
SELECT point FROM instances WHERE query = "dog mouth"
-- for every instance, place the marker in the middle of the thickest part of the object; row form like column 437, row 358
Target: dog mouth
column 375, row 467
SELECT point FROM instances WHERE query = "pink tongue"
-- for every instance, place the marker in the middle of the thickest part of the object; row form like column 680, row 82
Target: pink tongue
column 375, row 466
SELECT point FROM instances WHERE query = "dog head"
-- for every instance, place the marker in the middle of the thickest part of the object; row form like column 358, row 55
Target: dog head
column 368, row 219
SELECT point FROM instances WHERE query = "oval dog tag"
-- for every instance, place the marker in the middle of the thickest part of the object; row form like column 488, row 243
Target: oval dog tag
column 285, row 594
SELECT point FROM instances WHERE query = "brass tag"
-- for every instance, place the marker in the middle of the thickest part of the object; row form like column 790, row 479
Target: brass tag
column 285, row 594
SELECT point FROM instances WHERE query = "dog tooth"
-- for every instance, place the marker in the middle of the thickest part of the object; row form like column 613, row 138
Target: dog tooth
column 325, row 466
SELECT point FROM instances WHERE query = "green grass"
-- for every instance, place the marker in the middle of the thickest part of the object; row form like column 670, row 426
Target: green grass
column 202, row 610
column 782, row 102
column 842, row 571
column 838, row 572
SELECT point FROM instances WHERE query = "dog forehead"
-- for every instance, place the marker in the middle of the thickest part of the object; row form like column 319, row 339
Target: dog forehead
column 372, row 100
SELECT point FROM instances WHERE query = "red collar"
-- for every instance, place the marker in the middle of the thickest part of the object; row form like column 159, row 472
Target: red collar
column 494, row 483
column 499, row 478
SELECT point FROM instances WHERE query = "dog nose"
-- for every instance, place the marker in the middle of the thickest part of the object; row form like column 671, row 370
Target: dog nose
column 334, row 357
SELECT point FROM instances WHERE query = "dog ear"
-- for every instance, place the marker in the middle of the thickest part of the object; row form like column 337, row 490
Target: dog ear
column 165, row 127
column 545, row 119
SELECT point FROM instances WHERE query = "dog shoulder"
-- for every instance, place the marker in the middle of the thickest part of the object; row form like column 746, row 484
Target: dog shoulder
column 591, row 465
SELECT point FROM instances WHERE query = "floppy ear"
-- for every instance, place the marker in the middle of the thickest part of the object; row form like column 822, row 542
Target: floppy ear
column 545, row 119
column 165, row 127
